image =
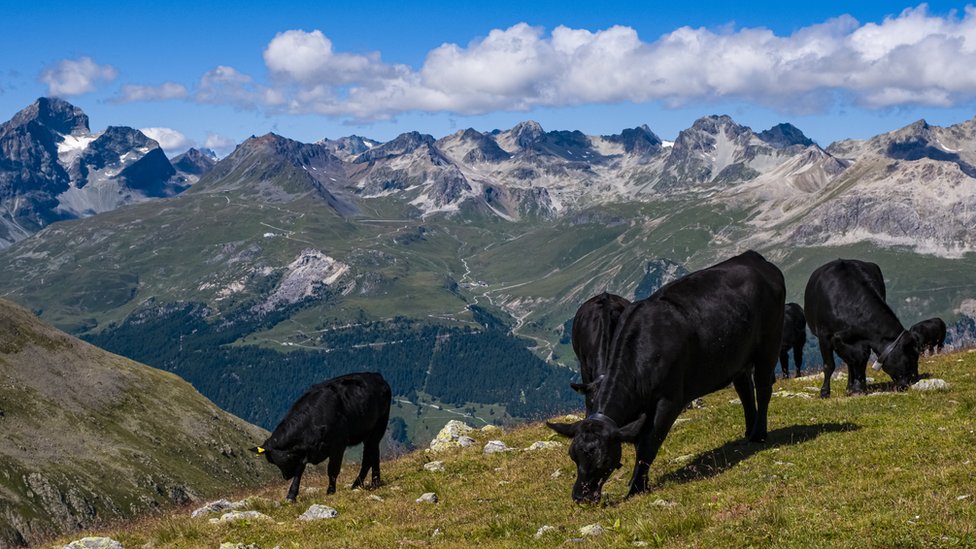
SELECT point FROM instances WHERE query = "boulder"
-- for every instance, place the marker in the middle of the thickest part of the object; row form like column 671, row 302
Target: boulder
column 496, row 446
column 449, row 436
column 428, row 497
column 235, row 516
column 434, row 466
column 94, row 543
column 319, row 512
column 217, row 506
column 932, row 384
column 464, row 441
column 491, row 430
column 591, row 530
column 543, row 530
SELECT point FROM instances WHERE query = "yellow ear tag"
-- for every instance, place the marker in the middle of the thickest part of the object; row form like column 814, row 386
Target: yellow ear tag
column 260, row 450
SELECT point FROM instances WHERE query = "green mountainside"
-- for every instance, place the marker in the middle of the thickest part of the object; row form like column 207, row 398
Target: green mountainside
column 91, row 438
column 883, row 470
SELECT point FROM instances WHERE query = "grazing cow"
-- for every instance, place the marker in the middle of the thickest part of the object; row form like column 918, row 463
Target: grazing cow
column 932, row 334
column 593, row 327
column 692, row 337
column 794, row 337
column 323, row 422
column 846, row 309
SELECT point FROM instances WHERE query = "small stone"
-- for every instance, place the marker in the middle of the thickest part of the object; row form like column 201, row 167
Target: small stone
column 374, row 497
column 543, row 530
column 790, row 394
column 931, row 385
column 556, row 474
column 964, row 496
column 229, row 545
column 437, row 532
column 495, row 446
column 464, row 441
column 94, row 543
column 591, row 530
column 319, row 512
column 639, row 543
column 235, row 516
column 568, row 418
column 682, row 459
column 491, row 430
column 735, row 401
column 697, row 403
column 217, row 506
column 663, row 503
column 428, row 497
column 434, row 466
column 545, row 445
column 681, row 420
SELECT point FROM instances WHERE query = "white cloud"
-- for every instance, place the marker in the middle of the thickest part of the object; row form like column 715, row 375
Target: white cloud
column 163, row 92
column 912, row 58
column 172, row 141
column 76, row 76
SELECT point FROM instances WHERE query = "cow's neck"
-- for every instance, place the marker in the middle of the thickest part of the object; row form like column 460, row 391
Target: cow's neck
column 619, row 399
column 885, row 336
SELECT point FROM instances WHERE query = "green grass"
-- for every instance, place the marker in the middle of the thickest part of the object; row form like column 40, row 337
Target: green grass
column 886, row 470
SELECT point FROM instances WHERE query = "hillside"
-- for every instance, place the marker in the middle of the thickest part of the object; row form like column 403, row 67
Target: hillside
column 90, row 437
column 883, row 470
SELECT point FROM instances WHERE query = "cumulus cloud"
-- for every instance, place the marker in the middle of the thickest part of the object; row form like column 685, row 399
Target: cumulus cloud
column 172, row 141
column 76, row 76
column 220, row 144
column 163, row 92
column 911, row 58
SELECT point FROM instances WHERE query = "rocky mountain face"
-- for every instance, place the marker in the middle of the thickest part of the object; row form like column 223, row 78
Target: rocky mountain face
column 194, row 164
column 52, row 168
column 91, row 437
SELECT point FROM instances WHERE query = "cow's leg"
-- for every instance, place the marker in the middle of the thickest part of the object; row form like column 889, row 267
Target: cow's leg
column 763, row 393
column 335, row 464
column 371, row 460
column 295, row 484
column 784, row 362
column 798, row 358
column 856, row 357
column 744, row 388
column 650, row 442
column 827, row 352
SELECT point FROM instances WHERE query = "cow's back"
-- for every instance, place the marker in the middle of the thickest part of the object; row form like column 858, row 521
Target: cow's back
column 843, row 294
column 708, row 326
column 593, row 327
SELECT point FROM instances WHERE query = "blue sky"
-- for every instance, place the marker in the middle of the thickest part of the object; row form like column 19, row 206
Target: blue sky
column 222, row 71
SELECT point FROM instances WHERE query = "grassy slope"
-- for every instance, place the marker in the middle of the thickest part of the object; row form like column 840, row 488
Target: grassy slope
column 90, row 436
column 879, row 471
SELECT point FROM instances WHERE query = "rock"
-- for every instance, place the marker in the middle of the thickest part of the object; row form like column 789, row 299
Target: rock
column 464, row 441
column 789, row 394
column 696, row 404
column 449, row 436
column 229, row 545
column 428, row 497
column 543, row 530
column 437, row 532
column 591, row 530
column 568, row 418
column 496, row 446
column 545, row 445
column 235, row 516
column 217, row 506
column 933, row 384
column 319, row 512
column 556, row 474
column 434, row 466
column 663, row 503
column 94, row 543
column 735, row 401
column 682, row 458
column 374, row 497
column 491, row 430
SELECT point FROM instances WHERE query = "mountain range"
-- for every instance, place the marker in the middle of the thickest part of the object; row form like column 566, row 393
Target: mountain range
column 452, row 265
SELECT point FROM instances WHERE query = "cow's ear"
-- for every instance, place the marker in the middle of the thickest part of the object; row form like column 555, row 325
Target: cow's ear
column 565, row 429
column 917, row 341
column 581, row 388
column 629, row 432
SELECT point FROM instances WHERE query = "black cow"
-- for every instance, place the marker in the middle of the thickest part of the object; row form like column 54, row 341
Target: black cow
column 692, row 337
column 593, row 327
column 932, row 334
column 323, row 422
column 794, row 337
column 846, row 309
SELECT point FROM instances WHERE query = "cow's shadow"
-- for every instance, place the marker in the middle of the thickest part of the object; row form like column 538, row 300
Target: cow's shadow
column 714, row 462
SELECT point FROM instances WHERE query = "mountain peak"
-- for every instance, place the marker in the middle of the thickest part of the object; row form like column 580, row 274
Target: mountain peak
column 55, row 114
column 527, row 133
column 784, row 135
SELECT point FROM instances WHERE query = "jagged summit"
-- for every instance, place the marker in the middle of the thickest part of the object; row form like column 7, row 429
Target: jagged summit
column 195, row 161
column 402, row 144
column 54, row 114
column 785, row 135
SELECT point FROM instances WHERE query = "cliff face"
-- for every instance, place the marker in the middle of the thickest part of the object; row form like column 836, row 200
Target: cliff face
column 91, row 437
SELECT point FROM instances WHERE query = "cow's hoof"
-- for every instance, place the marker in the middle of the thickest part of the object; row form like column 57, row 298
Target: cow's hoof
column 757, row 439
column 824, row 394
column 289, row 500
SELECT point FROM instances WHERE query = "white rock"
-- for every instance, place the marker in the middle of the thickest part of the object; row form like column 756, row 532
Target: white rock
column 94, row 543
column 543, row 530
column 491, row 430
column 217, row 506
column 449, row 436
column 556, row 474
column 229, row 545
column 319, row 512
column 931, row 385
column 591, row 530
column 428, row 497
column 374, row 497
column 545, row 445
column 789, row 394
column 235, row 516
column 663, row 503
column 464, row 441
column 735, row 401
column 434, row 466
column 495, row 446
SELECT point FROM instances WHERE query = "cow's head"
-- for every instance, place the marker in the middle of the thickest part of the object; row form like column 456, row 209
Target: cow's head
column 596, row 451
column 902, row 362
column 287, row 462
